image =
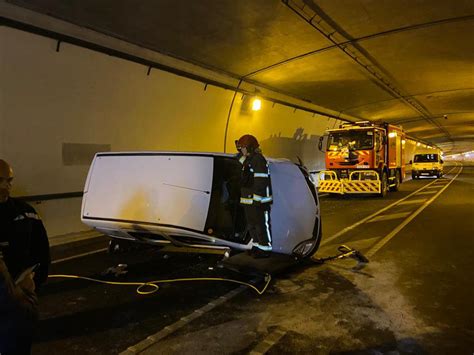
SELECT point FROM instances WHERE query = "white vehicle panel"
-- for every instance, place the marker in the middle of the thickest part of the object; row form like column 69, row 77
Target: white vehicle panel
column 151, row 188
column 192, row 199
column 294, row 210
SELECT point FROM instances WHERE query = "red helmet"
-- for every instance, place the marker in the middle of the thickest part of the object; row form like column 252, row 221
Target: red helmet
column 248, row 141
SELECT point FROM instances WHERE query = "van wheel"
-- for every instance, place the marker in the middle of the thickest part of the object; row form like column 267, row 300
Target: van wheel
column 397, row 182
column 119, row 246
column 383, row 185
column 113, row 247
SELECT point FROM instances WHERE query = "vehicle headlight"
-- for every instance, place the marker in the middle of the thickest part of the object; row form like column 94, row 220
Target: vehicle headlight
column 304, row 248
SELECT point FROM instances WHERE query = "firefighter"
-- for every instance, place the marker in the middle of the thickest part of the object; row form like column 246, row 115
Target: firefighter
column 255, row 194
column 23, row 238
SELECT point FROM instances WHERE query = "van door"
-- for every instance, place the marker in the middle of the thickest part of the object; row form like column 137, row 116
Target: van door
column 150, row 188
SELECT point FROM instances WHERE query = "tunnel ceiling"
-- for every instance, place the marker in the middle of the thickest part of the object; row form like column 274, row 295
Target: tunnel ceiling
column 409, row 62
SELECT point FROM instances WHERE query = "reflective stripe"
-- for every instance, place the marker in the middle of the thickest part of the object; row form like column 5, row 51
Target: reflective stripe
column 242, row 159
column 262, row 247
column 32, row 215
column 246, row 201
column 260, row 175
column 262, row 199
column 267, row 227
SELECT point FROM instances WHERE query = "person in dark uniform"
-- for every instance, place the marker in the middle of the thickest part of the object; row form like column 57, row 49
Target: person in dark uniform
column 18, row 312
column 23, row 244
column 23, row 238
column 256, row 194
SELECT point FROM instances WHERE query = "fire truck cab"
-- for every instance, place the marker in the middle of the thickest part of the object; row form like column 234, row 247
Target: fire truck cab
column 363, row 157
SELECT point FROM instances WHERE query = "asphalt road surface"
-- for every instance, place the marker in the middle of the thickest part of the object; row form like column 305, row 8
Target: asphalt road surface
column 413, row 297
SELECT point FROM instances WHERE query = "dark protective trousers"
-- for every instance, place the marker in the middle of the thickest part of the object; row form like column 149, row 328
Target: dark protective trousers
column 258, row 223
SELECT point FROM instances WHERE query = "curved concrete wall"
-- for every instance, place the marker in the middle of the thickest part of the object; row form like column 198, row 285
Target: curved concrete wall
column 83, row 99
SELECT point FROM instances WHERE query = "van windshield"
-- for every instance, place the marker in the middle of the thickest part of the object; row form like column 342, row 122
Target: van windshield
column 426, row 158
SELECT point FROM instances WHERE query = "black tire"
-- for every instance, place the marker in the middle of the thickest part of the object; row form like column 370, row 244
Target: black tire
column 120, row 246
column 383, row 185
column 413, row 176
column 397, row 181
column 113, row 247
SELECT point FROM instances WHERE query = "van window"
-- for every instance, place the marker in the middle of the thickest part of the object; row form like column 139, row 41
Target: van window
column 225, row 219
column 426, row 158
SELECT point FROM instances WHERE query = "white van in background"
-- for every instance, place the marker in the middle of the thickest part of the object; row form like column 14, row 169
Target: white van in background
column 427, row 164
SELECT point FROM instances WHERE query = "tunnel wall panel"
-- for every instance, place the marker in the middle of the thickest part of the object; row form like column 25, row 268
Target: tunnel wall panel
column 55, row 97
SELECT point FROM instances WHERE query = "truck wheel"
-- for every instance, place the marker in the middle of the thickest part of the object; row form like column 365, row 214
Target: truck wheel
column 397, row 181
column 383, row 185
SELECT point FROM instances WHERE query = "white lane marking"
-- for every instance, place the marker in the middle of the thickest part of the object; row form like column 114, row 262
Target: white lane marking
column 388, row 217
column 412, row 201
column 435, row 186
column 347, row 229
column 393, row 233
column 78, row 256
column 265, row 345
column 169, row 329
column 431, row 192
column 356, row 244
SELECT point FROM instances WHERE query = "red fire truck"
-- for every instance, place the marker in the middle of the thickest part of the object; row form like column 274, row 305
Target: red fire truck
column 363, row 157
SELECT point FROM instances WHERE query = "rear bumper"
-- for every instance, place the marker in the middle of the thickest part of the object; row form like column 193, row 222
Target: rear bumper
column 431, row 172
column 350, row 186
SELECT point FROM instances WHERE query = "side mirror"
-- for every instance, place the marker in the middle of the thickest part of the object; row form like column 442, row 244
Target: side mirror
column 320, row 144
column 302, row 166
column 410, row 162
column 383, row 142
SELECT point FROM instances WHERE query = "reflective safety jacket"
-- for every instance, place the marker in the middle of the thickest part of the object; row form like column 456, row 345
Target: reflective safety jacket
column 255, row 183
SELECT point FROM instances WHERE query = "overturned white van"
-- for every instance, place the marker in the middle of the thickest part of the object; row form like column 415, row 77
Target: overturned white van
column 192, row 199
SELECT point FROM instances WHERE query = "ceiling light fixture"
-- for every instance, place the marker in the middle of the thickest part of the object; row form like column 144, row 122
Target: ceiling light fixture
column 256, row 104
